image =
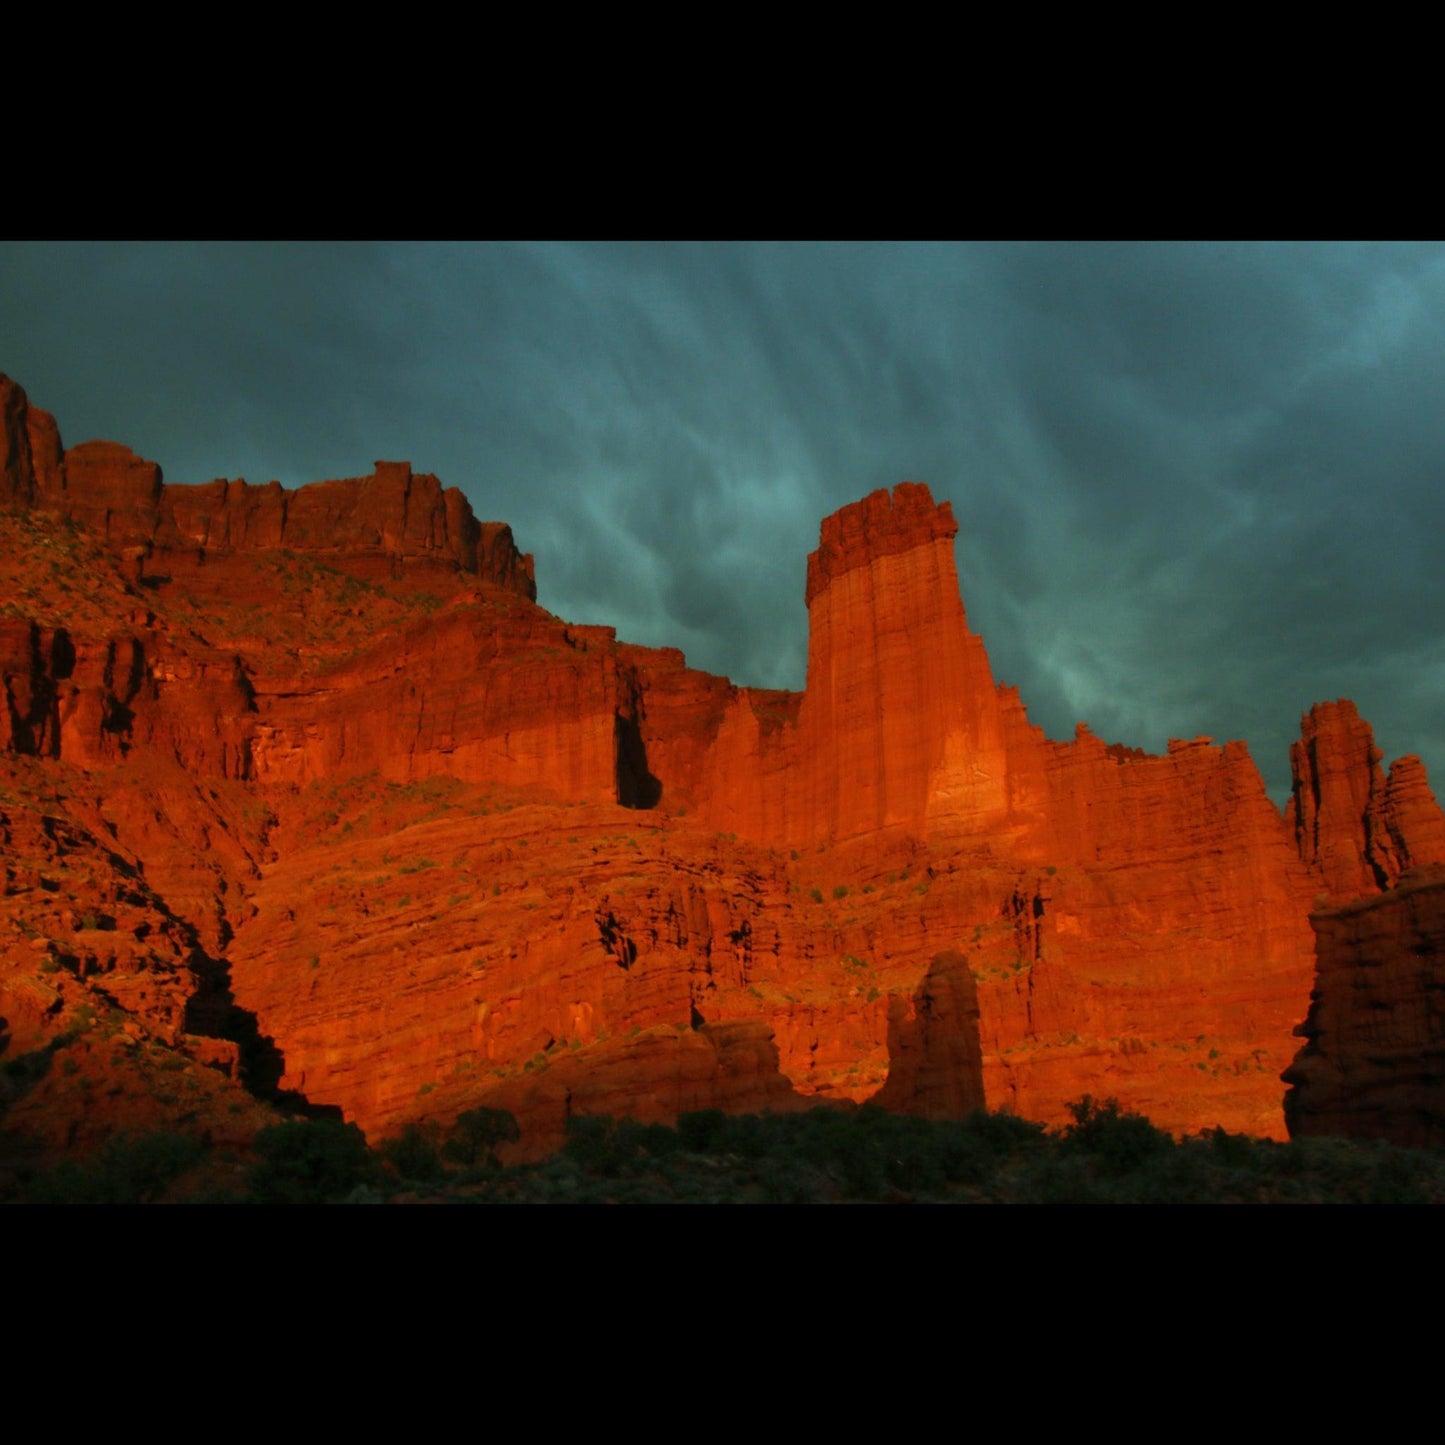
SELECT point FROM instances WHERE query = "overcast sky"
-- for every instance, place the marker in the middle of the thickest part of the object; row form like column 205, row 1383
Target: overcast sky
column 1199, row 487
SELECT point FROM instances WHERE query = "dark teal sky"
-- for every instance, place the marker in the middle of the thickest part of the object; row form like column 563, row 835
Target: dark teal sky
column 1199, row 487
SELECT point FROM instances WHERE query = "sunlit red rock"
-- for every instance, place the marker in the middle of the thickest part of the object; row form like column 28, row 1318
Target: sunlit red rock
column 385, row 520
column 1360, row 829
column 110, row 491
column 1414, row 831
column 382, row 833
column 900, row 724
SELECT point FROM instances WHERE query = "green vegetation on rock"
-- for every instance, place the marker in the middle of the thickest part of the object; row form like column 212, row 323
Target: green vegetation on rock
column 828, row 1154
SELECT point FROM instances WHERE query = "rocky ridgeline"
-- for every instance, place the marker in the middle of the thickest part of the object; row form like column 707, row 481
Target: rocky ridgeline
column 412, row 845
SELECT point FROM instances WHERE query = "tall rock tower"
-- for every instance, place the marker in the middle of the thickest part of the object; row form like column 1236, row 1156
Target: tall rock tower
column 900, row 723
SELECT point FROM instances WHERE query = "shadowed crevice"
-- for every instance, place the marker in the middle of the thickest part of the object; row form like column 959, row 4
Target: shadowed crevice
column 636, row 786
column 212, row 1012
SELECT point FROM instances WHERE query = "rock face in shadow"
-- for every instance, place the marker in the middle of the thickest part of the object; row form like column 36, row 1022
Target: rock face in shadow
column 439, row 849
column 1370, row 1066
column 1373, row 1065
column 935, row 1057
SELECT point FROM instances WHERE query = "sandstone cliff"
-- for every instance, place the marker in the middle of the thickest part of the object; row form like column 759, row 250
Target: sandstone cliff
column 410, row 844
column 374, row 524
column 1374, row 1057
column 1373, row 1035
column 1358, row 828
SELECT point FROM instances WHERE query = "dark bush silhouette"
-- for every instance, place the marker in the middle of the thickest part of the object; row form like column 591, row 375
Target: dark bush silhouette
column 312, row 1161
column 474, row 1137
column 1117, row 1141
column 591, row 1143
column 125, row 1171
column 413, row 1153
column 700, row 1129
column 1105, row 1155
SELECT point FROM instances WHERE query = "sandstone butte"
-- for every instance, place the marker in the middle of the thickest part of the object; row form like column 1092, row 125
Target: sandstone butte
column 306, row 802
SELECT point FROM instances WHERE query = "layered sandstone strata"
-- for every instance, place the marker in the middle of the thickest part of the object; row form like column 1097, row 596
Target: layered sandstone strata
column 388, row 518
column 1360, row 829
column 1373, row 1064
column 427, row 846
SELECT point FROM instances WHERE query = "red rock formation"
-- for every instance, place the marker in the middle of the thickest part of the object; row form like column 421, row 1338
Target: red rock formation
column 1370, row 1066
column 1173, row 912
column 1374, row 1058
column 516, row 699
column 101, row 975
column 17, row 474
column 442, row 849
column 935, row 1064
column 392, row 517
column 389, row 518
column 1337, row 784
column 110, row 491
column 652, row 1077
column 28, row 723
column 1413, row 835
column 29, row 449
column 1360, row 830
column 47, row 456
column 899, row 725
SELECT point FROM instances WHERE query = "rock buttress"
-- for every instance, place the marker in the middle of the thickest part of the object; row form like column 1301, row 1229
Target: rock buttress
column 1373, row 1064
column 900, row 723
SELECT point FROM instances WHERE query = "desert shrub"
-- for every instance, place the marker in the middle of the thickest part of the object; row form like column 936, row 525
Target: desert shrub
column 559, row 1180
column 841, row 1149
column 1351, row 1171
column 474, row 1137
column 1182, row 1174
column 911, row 1152
column 751, row 1135
column 656, row 1141
column 1054, row 1176
column 1234, row 1151
column 1115, row 1140
column 311, row 1161
column 413, row 1153
column 999, row 1136
column 125, row 1171
column 1406, row 1177
column 971, row 1157
column 781, row 1180
column 1312, row 1168
column 702, row 1129
column 615, row 1149
column 590, row 1142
